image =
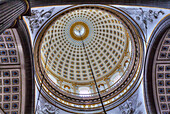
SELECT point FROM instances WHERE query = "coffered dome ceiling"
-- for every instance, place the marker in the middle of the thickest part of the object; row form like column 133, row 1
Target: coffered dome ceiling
column 103, row 35
column 85, row 39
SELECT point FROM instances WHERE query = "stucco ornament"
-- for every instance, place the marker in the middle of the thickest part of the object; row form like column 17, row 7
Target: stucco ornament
column 145, row 17
column 38, row 17
column 131, row 106
column 44, row 107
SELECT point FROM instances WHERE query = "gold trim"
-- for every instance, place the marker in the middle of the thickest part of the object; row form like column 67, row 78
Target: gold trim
column 137, row 70
column 78, row 26
column 28, row 28
column 85, row 82
column 102, row 78
column 14, row 23
column 27, row 7
column 19, row 17
column 140, row 81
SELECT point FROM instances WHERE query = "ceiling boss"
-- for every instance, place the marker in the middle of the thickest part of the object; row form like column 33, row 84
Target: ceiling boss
column 79, row 31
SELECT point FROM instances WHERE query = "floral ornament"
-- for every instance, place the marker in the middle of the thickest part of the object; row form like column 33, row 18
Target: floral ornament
column 146, row 16
column 143, row 17
column 44, row 107
column 131, row 106
column 38, row 17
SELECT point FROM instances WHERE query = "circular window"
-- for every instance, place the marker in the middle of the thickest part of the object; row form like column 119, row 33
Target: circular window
column 84, row 41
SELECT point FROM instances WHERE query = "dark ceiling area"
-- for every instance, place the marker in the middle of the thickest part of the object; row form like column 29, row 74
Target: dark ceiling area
column 152, row 3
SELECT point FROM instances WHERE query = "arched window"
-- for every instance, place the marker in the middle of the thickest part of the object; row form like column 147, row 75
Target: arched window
column 84, row 91
column 66, row 87
column 101, row 87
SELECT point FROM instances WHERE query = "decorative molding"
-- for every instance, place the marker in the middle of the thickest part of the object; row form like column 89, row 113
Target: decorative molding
column 131, row 106
column 44, row 107
column 144, row 16
column 78, row 102
column 38, row 17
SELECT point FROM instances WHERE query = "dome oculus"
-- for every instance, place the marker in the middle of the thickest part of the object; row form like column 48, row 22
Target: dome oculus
column 79, row 31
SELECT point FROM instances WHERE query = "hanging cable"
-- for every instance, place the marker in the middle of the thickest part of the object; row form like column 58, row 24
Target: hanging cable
column 90, row 69
column 2, row 110
column 43, row 73
column 93, row 74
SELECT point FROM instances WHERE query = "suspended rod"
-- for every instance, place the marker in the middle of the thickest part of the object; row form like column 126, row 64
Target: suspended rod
column 93, row 75
column 2, row 110
column 90, row 68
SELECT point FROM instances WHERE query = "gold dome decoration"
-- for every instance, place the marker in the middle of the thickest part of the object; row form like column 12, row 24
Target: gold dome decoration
column 103, row 35
column 79, row 31
column 115, row 54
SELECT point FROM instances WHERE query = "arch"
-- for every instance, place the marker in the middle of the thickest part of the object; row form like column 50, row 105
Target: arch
column 16, row 70
column 149, row 76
